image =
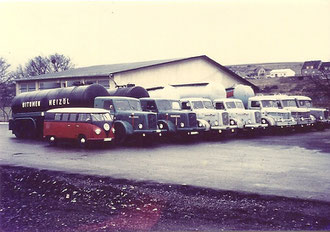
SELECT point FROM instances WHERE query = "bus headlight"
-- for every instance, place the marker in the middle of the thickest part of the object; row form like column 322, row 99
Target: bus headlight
column 106, row 127
column 181, row 124
column 140, row 126
column 98, row 131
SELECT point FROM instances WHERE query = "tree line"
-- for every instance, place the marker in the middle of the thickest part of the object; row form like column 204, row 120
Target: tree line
column 36, row 66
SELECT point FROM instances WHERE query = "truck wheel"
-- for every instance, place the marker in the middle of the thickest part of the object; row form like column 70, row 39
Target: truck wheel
column 120, row 134
column 82, row 141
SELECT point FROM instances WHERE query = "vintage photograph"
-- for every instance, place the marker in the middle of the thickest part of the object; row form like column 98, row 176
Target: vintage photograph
column 166, row 115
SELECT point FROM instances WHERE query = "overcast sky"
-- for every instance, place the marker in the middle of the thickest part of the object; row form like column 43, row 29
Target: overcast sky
column 108, row 32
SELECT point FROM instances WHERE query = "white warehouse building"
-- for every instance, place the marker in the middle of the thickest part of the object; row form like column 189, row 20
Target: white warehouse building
column 282, row 73
column 149, row 74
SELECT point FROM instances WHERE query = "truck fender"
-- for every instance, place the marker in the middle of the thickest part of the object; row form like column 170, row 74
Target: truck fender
column 168, row 125
column 128, row 127
column 206, row 124
column 269, row 120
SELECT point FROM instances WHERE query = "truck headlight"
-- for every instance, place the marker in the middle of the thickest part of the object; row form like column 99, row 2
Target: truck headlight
column 98, row 131
column 232, row 122
column 106, row 127
column 200, row 124
column 263, row 121
column 321, row 118
column 249, row 121
column 302, row 118
column 312, row 117
column 140, row 126
column 216, row 123
column 161, row 126
column 182, row 124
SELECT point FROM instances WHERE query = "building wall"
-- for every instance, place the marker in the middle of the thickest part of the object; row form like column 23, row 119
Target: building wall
column 183, row 72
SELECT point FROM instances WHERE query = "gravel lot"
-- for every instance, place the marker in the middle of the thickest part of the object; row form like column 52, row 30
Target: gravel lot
column 40, row 200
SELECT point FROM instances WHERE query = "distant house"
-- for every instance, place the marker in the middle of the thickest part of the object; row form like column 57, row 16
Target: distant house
column 310, row 68
column 282, row 73
column 325, row 68
column 259, row 72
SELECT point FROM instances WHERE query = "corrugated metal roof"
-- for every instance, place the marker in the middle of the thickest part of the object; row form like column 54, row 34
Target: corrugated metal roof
column 106, row 70
column 100, row 70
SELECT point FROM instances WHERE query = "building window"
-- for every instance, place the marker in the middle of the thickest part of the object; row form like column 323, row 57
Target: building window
column 27, row 87
column 49, row 85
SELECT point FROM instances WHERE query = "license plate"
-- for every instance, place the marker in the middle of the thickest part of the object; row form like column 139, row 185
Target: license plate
column 107, row 139
column 194, row 133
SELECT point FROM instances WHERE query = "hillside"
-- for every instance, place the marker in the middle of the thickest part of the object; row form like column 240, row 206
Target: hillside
column 245, row 69
column 294, row 86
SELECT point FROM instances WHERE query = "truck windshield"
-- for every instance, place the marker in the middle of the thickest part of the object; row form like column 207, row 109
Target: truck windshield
column 289, row 103
column 270, row 103
column 208, row 104
column 304, row 103
column 166, row 105
column 239, row 105
column 230, row 105
column 127, row 105
column 101, row 117
column 197, row 104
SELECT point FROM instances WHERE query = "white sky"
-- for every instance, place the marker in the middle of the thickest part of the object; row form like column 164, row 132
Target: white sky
column 107, row 32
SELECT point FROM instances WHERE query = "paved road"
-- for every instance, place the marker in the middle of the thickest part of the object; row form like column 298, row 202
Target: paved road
column 295, row 165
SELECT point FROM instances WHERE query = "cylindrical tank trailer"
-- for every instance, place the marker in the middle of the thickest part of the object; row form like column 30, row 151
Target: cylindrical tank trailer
column 28, row 108
column 39, row 101
column 242, row 92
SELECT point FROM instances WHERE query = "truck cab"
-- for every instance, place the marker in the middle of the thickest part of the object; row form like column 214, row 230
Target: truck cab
column 321, row 115
column 129, row 119
column 171, row 117
column 271, row 112
column 246, row 120
column 302, row 116
column 216, row 121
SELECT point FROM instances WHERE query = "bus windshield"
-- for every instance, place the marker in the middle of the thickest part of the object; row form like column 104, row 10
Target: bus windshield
column 97, row 117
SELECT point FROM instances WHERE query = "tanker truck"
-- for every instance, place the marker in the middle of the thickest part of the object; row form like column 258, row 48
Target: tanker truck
column 29, row 110
column 197, row 99
column 320, row 114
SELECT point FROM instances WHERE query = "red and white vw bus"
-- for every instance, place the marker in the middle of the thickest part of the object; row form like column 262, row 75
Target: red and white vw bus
column 81, row 124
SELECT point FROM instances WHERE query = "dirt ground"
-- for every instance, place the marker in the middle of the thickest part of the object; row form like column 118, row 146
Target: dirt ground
column 40, row 200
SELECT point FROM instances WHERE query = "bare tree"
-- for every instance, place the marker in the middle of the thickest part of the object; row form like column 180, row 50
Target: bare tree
column 7, row 88
column 41, row 65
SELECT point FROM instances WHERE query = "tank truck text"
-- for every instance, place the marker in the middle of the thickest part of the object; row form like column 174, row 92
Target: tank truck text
column 59, row 102
column 30, row 104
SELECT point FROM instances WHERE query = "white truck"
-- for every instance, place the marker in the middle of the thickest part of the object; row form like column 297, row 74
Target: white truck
column 321, row 115
column 302, row 116
column 246, row 120
column 271, row 114
column 215, row 121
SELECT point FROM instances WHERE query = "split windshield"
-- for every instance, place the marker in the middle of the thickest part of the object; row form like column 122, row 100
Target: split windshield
column 305, row 103
column 208, row 104
column 101, row 117
column 270, row 103
column 230, row 105
column 127, row 105
column 240, row 105
column 166, row 105
column 289, row 103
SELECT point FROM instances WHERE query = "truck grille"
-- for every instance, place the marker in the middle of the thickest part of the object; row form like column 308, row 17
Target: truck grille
column 257, row 115
column 225, row 118
column 192, row 120
column 300, row 114
column 152, row 121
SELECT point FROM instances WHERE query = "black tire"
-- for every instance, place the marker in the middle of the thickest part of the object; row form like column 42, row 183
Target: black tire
column 120, row 134
column 82, row 141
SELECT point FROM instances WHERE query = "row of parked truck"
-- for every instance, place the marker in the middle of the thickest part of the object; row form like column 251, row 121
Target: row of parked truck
column 93, row 113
